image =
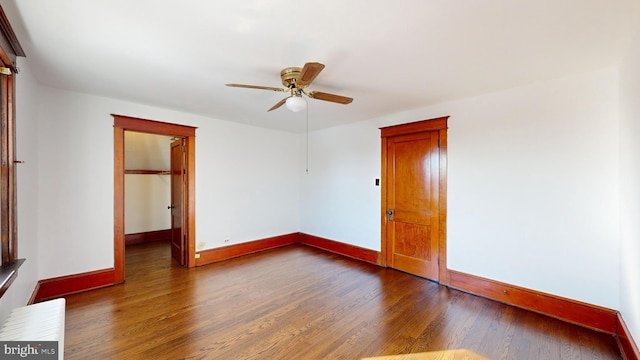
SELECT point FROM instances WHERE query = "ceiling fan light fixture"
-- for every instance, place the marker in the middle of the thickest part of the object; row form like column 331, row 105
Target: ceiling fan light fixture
column 295, row 80
column 296, row 103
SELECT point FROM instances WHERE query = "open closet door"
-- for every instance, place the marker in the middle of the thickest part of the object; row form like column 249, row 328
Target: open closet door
column 178, row 230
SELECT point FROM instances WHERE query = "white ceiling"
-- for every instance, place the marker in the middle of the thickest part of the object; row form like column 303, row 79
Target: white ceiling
column 388, row 55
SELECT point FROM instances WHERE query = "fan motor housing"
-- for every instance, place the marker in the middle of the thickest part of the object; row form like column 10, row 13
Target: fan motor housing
column 289, row 75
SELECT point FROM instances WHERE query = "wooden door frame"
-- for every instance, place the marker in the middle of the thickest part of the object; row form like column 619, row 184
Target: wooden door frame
column 435, row 124
column 120, row 125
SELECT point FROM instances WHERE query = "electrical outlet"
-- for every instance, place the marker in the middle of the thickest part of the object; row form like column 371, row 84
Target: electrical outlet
column 197, row 255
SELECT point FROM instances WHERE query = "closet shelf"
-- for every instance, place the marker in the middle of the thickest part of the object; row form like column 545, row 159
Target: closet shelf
column 148, row 172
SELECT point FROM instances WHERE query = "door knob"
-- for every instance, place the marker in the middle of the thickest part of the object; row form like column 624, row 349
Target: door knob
column 390, row 213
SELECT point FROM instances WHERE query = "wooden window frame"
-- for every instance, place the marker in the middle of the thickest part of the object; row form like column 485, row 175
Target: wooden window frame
column 10, row 49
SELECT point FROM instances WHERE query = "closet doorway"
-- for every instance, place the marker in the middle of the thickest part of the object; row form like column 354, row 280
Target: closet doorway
column 187, row 218
column 148, row 179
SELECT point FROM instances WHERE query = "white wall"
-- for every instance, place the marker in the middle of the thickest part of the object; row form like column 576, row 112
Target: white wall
column 27, row 184
column 246, row 180
column 532, row 185
column 630, row 190
column 146, row 198
column 146, row 151
column 340, row 200
column 247, row 183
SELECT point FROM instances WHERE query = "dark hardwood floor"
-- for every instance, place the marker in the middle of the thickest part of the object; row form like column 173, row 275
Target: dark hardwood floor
column 299, row 302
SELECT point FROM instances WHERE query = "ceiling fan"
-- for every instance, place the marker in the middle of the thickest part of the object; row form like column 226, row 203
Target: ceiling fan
column 295, row 80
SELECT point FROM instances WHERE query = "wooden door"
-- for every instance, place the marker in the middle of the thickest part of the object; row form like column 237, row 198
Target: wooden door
column 178, row 236
column 412, row 203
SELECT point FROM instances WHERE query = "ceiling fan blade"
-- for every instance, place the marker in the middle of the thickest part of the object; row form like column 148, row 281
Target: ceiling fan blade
column 330, row 97
column 280, row 103
column 309, row 73
column 257, row 87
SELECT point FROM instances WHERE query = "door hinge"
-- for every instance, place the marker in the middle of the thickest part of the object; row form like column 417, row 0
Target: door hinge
column 183, row 148
column 438, row 141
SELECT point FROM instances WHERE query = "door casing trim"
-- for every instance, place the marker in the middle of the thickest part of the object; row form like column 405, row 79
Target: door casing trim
column 120, row 125
column 436, row 124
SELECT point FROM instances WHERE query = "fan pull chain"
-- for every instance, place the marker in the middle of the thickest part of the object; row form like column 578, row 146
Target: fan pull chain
column 307, row 138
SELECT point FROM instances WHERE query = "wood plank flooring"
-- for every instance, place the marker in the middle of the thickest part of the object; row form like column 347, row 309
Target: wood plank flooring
column 299, row 302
